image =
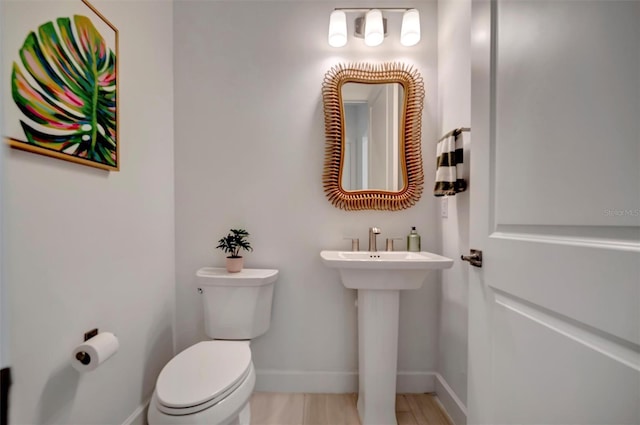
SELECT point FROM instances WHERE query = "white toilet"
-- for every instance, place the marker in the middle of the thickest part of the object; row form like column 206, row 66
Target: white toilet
column 211, row 382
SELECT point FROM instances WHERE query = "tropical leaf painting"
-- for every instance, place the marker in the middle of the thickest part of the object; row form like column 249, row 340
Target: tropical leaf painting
column 64, row 84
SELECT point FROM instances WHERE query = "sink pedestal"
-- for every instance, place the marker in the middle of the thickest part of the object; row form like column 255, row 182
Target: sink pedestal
column 379, row 277
column 378, row 312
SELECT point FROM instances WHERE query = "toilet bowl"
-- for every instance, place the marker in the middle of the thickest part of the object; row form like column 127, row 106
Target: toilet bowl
column 208, row 383
column 211, row 382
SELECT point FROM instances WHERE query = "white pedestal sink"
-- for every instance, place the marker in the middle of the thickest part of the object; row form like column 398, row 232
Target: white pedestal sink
column 379, row 277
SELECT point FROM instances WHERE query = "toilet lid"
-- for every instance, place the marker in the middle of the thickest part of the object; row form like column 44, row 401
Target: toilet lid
column 202, row 372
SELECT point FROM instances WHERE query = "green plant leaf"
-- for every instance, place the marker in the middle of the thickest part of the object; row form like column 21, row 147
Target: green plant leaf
column 234, row 242
column 69, row 96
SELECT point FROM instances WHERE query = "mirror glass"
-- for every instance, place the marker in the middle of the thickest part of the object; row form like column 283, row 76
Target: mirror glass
column 373, row 142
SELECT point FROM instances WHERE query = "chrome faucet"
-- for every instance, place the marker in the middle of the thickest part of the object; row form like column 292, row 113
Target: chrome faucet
column 373, row 232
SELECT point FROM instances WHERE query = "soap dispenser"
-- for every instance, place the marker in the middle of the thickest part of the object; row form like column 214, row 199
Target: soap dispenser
column 413, row 240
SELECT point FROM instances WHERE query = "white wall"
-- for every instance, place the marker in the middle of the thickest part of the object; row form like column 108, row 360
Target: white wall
column 454, row 103
column 249, row 153
column 86, row 248
column 4, row 312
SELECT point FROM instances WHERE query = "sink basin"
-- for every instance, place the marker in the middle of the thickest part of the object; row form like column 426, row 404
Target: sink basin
column 392, row 270
column 385, row 260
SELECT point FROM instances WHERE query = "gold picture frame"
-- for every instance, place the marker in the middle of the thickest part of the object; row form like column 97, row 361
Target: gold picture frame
column 410, row 140
column 63, row 98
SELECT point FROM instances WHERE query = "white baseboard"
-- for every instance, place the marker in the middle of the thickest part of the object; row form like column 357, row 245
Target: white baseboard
column 450, row 401
column 293, row 381
column 139, row 416
column 298, row 381
column 415, row 382
column 288, row 381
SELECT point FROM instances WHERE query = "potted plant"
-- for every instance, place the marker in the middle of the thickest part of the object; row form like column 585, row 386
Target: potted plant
column 232, row 244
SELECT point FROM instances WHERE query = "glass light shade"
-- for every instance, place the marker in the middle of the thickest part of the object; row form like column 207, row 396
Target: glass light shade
column 373, row 28
column 410, row 32
column 338, row 28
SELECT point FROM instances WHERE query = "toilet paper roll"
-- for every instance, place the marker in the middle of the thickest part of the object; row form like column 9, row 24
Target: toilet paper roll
column 95, row 351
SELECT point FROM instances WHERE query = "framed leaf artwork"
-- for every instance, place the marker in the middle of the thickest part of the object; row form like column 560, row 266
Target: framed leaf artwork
column 64, row 85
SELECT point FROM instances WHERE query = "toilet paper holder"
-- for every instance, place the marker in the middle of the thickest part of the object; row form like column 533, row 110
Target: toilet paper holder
column 81, row 356
column 94, row 351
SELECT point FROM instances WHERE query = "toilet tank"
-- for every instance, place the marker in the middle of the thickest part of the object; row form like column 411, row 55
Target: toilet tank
column 236, row 305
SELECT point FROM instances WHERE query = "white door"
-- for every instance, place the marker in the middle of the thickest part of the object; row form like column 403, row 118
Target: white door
column 554, row 322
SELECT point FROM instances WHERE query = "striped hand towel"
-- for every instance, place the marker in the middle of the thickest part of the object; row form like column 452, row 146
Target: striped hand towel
column 449, row 179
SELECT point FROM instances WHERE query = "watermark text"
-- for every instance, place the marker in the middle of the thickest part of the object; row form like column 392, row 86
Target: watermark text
column 622, row 213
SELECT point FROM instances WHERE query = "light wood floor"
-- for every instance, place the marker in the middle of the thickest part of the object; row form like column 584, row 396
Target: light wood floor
column 339, row 409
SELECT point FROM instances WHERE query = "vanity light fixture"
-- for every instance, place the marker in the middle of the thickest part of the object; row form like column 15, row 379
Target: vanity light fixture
column 338, row 29
column 410, row 33
column 373, row 28
column 371, row 25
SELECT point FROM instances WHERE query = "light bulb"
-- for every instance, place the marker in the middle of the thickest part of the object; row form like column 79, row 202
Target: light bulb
column 410, row 32
column 338, row 28
column 373, row 28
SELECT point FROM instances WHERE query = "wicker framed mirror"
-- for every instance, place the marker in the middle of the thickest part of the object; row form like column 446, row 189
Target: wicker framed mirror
column 403, row 86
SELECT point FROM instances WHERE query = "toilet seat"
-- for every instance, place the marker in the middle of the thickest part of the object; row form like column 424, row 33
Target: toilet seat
column 202, row 376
